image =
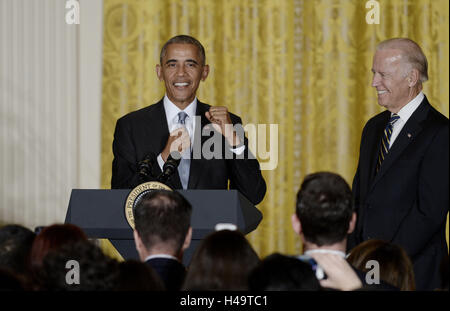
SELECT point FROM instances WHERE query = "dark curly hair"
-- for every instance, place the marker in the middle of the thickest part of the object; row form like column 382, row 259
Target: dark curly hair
column 96, row 270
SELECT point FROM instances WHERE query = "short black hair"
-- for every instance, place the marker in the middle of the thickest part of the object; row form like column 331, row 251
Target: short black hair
column 162, row 216
column 184, row 39
column 324, row 208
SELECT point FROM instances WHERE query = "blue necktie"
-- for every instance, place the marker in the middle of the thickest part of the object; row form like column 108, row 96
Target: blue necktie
column 385, row 140
column 184, row 166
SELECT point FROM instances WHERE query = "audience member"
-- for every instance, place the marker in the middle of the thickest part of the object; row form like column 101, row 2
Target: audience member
column 394, row 264
column 79, row 266
column 52, row 238
column 324, row 218
column 222, row 261
column 15, row 247
column 138, row 276
column 283, row 273
column 162, row 233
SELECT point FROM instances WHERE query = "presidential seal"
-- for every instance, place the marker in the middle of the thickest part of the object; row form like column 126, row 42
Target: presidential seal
column 136, row 194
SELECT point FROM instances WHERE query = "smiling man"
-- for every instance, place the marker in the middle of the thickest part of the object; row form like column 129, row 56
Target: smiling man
column 144, row 139
column 401, row 184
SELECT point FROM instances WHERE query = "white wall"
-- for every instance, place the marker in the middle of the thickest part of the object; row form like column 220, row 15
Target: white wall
column 50, row 103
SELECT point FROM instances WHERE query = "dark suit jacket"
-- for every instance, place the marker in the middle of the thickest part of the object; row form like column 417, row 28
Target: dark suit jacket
column 145, row 132
column 171, row 271
column 406, row 202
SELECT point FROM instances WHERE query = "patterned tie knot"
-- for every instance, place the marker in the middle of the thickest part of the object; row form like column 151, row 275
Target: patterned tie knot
column 182, row 117
column 394, row 118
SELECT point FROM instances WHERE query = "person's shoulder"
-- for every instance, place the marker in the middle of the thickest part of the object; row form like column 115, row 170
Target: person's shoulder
column 438, row 117
column 380, row 117
column 142, row 113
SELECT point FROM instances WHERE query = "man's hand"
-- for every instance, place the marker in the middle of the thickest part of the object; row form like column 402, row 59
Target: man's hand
column 178, row 141
column 221, row 121
column 340, row 274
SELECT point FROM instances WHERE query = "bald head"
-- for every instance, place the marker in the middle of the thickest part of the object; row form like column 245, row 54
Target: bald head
column 411, row 54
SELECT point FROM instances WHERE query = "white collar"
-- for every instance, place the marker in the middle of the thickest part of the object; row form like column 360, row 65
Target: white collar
column 161, row 256
column 326, row 251
column 172, row 110
column 407, row 110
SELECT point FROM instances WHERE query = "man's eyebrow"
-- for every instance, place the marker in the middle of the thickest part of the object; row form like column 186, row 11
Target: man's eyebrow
column 192, row 61
column 171, row 61
column 187, row 60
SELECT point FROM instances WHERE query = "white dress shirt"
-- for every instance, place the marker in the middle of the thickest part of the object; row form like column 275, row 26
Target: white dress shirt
column 161, row 256
column 172, row 122
column 404, row 114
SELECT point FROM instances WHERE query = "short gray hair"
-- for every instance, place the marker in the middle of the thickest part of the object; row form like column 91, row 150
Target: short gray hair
column 412, row 52
column 184, row 39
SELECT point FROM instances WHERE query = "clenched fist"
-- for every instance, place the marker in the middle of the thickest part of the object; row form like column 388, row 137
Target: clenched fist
column 179, row 140
column 221, row 121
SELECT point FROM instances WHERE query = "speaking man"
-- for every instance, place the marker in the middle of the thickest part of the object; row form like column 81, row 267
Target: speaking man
column 401, row 184
column 145, row 139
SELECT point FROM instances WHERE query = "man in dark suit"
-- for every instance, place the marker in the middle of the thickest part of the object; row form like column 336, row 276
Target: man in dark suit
column 214, row 152
column 401, row 184
column 162, row 233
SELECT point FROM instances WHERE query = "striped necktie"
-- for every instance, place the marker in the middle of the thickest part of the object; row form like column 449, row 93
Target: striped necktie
column 385, row 140
column 184, row 166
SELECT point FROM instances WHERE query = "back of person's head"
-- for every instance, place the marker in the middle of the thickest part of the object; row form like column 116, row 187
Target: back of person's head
column 163, row 217
column 283, row 273
column 80, row 266
column 138, row 276
column 324, row 208
column 395, row 266
column 222, row 261
column 52, row 238
column 15, row 247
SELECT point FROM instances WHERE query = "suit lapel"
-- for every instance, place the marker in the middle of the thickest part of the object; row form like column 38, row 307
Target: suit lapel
column 410, row 130
column 195, row 168
column 159, row 128
column 374, row 148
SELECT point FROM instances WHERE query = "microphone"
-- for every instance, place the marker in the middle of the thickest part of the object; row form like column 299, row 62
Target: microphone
column 172, row 162
column 145, row 168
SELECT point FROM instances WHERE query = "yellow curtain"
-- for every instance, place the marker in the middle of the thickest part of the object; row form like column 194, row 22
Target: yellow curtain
column 302, row 64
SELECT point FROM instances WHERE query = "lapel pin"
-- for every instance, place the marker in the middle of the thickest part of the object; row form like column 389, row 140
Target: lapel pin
column 409, row 135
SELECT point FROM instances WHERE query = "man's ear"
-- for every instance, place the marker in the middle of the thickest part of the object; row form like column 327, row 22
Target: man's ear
column 205, row 72
column 187, row 239
column 413, row 77
column 352, row 224
column 159, row 72
column 138, row 242
column 296, row 225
